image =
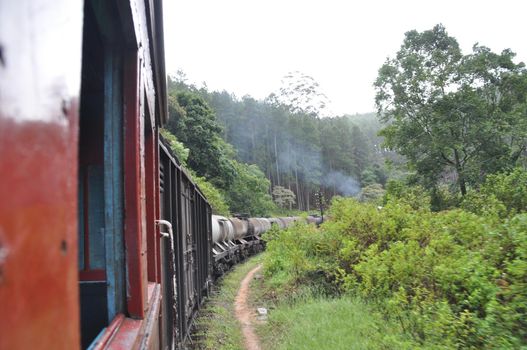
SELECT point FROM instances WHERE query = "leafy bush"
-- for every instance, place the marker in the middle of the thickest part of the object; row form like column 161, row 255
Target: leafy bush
column 371, row 193
column 503, row 194
column 213, row 195
column 415, row 196
column 248, row 192
column 443, row 197
column 453, row 279
column 177, row 147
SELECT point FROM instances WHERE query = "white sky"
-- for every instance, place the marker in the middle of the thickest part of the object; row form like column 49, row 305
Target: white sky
column 247, row 46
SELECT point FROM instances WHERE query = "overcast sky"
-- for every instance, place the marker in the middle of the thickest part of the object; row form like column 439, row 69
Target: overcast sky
column 247, row 46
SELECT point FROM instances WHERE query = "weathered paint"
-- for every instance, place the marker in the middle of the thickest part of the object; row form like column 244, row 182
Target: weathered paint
column 39, row 88
column 93, row 219
column 134, row 190
column 140, row 172
column 113, row 181
column 156, row 203
column 152, row 202
column 126, row 333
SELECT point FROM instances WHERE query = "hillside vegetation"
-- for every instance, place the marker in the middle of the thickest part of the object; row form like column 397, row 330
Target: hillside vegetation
column 449, row 279
column 293, row 147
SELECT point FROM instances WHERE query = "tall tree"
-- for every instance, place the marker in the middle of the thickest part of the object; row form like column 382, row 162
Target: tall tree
column 301, row 93
column 193, row 122
column 448, row 112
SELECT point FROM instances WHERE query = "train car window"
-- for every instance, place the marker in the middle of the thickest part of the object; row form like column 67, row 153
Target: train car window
column 100, row 199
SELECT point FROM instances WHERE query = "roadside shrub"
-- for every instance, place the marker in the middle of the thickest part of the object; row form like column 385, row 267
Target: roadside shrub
column 509, row 188
column 371, row 193
column 452, row 278
column 442, row 197
column 414, row 196
column 502, row 194
column 300, row 257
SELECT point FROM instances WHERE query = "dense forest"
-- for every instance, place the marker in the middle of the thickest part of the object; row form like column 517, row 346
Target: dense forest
column 299, row 152
column 445, row 121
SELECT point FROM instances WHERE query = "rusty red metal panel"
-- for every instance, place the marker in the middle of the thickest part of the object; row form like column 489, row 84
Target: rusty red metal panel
column 40, row 70
column 152, row 240
column 109, row 333
column 126, row 333
column 156, row 202
column 135, row 259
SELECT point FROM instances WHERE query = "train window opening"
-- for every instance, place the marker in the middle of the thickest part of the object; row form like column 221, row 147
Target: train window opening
column 100, row 179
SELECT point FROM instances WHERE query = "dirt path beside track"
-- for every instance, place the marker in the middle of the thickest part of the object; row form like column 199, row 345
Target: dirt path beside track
column 244, row 313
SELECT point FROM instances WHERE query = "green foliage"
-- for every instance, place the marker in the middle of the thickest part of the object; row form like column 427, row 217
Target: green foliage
column 509, row 188
column 283, row 197
column 221, row 178
column 177, row 147
column 371, row 193
column 503, row 194
column 193, row 122
column 442, row 197
column 414, row 196
column 450, row 279
column 292, row 257
column 290, row 144
column 336, row 324
column 215, row 197
column 454, row 116
column 248, row 192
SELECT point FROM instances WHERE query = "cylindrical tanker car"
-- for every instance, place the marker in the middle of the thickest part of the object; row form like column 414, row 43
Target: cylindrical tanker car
column 236, row 238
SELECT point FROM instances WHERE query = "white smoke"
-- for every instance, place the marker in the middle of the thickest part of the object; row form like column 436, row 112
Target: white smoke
column 344, row 184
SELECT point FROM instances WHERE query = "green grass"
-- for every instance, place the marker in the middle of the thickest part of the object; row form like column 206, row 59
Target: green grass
column 297, row 319
column 217, row 327
column 331, row 324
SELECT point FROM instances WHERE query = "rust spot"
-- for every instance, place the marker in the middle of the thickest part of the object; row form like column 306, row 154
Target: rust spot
column 64, row 247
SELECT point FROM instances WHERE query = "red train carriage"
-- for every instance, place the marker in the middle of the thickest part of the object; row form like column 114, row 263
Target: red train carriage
column 82, row 94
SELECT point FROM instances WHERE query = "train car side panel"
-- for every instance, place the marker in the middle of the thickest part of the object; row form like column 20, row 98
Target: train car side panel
column 39, row 92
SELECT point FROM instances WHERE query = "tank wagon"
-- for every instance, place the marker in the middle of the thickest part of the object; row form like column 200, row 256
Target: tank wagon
column 234, row 239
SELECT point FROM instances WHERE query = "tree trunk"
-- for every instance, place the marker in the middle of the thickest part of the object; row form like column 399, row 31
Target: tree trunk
column 276, row 160
column 460, row 175
column 298, row 194
column 253, row 145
